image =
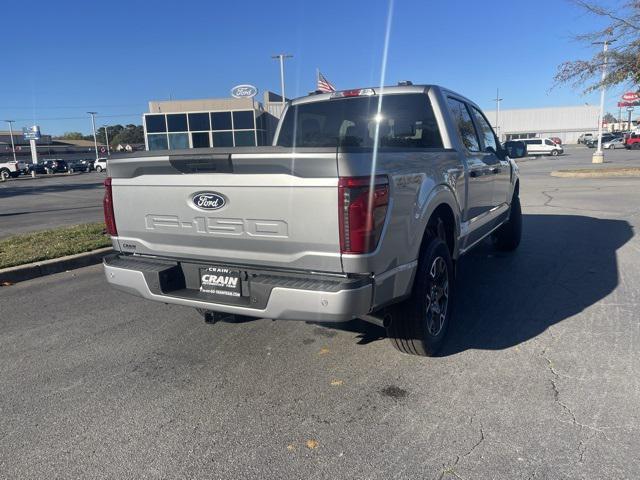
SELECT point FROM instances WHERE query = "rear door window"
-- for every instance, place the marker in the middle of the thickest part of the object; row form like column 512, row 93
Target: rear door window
column 466, row 129
column 486, row 132
column 398, row 121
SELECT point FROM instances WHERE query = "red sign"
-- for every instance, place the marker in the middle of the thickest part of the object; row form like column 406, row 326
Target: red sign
column 629, row 104
column 630, row 97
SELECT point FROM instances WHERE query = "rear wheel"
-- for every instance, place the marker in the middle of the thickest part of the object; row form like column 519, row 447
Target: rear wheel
column 508, row 236
column 99, row 169
column 4, row 174
column 419, row 325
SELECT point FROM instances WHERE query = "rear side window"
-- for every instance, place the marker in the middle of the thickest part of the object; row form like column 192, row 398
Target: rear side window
column 485, row 130
column 463, row 121
column 404, row 121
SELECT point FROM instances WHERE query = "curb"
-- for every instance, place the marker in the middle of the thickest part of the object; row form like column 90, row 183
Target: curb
column 29, row 271
column 598, row 173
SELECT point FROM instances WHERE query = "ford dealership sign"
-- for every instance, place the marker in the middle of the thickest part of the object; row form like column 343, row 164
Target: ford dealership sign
column 244, row 91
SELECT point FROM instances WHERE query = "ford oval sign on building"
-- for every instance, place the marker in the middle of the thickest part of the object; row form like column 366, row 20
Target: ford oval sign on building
column 208, row 200
column 244, row 91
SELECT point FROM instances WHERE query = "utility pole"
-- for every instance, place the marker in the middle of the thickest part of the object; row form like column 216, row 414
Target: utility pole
column 629, row 109
column 282, row 57
column 598, row 156
column 93, row 124
column 106, row 136
column 498, row 100
column 13, row 147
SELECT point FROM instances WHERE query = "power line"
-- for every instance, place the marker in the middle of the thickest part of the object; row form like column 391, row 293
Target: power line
column 70, row 107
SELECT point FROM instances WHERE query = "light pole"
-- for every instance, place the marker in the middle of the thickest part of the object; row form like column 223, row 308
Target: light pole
column 282, row 57
column 629, row 109
column 598, row 156
column 93, row 124
column 13, row 147
column 497, row 100
column 106, row 137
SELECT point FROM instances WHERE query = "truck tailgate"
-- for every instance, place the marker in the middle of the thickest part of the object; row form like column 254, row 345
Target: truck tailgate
column 274, row 208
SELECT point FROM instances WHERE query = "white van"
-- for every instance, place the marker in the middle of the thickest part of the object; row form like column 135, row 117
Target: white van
column 542, row 146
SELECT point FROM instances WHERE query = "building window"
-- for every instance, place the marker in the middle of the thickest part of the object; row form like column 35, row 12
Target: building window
column 177, row 122
column 157, row 142
column 243, row 120
column 200, row 139
column 199, row 122
column 155, row 123
column 222, row 139
column 221, row 121
column 178, row 141
column 245, row 139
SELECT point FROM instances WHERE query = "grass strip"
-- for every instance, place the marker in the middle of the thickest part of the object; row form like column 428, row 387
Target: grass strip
column 49, row 244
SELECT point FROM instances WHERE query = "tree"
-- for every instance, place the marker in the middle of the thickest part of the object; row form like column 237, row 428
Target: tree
column 610, row 118
column 72, row 136
column 623, row 60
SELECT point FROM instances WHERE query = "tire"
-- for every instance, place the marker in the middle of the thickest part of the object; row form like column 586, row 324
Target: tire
column 71, row 170
column 554, row 153
column 418, row 326
column 611, row 147
column 507, row 237
column 99, row 169
column 4, row 174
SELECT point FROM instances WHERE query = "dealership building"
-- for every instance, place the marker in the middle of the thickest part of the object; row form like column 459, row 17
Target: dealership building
column 212, row 122
column 567, row 123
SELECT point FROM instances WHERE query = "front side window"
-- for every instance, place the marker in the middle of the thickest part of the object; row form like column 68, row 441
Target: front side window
column 548, row 142
column 463, row 121
column 397, row 121
column 486, row 131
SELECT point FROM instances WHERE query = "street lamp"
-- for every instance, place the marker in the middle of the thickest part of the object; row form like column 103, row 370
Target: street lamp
column 598, row 156
column 282, row 57
column 106, row 137
column 93, row 124
column 497, row 100
column 13, row 147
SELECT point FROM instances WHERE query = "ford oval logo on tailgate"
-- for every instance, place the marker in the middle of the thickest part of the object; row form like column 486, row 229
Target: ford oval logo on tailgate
column 208, row 200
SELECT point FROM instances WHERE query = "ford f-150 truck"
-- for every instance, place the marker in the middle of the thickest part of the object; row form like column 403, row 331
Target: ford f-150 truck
column 360, row 209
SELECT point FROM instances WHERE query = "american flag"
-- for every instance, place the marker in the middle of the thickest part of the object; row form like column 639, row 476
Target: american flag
column 325, row 85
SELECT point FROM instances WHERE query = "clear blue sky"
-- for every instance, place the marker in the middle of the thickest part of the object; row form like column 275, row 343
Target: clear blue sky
column 113, row 57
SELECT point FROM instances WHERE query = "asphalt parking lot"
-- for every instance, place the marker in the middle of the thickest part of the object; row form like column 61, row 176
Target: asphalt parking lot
column 50, row 201
column 539, row 377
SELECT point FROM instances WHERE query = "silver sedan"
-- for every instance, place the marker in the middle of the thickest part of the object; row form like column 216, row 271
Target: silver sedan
column 614, row 143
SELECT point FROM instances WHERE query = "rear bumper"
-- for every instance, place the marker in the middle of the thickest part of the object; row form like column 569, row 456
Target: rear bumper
column 310, row 297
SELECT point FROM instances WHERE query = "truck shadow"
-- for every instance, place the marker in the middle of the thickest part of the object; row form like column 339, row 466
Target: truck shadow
column 565, row 264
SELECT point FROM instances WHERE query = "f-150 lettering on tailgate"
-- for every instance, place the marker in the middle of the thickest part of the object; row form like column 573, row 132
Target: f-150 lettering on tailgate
column 219, row 226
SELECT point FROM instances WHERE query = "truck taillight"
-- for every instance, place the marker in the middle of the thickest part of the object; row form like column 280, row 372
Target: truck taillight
column 362, row 204
column 107, row 204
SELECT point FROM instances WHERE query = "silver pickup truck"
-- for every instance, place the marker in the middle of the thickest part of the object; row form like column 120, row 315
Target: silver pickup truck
column 360, row 209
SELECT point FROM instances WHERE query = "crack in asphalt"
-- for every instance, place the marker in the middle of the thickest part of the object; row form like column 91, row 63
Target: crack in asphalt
column 565, row 407
column 449, row 469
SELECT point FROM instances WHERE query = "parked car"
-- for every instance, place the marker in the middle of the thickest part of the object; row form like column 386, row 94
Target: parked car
column 39, row 168
column 615, row 142
column 77, row 166
column 383, row 236
column 56, row 166
column 11, row 168
column 585, row 137
column 632, row 142
column 543, row 146
column 89, row 163
column 100, row 165
column 606, row 137
column 516, row 148
column 556, row 140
